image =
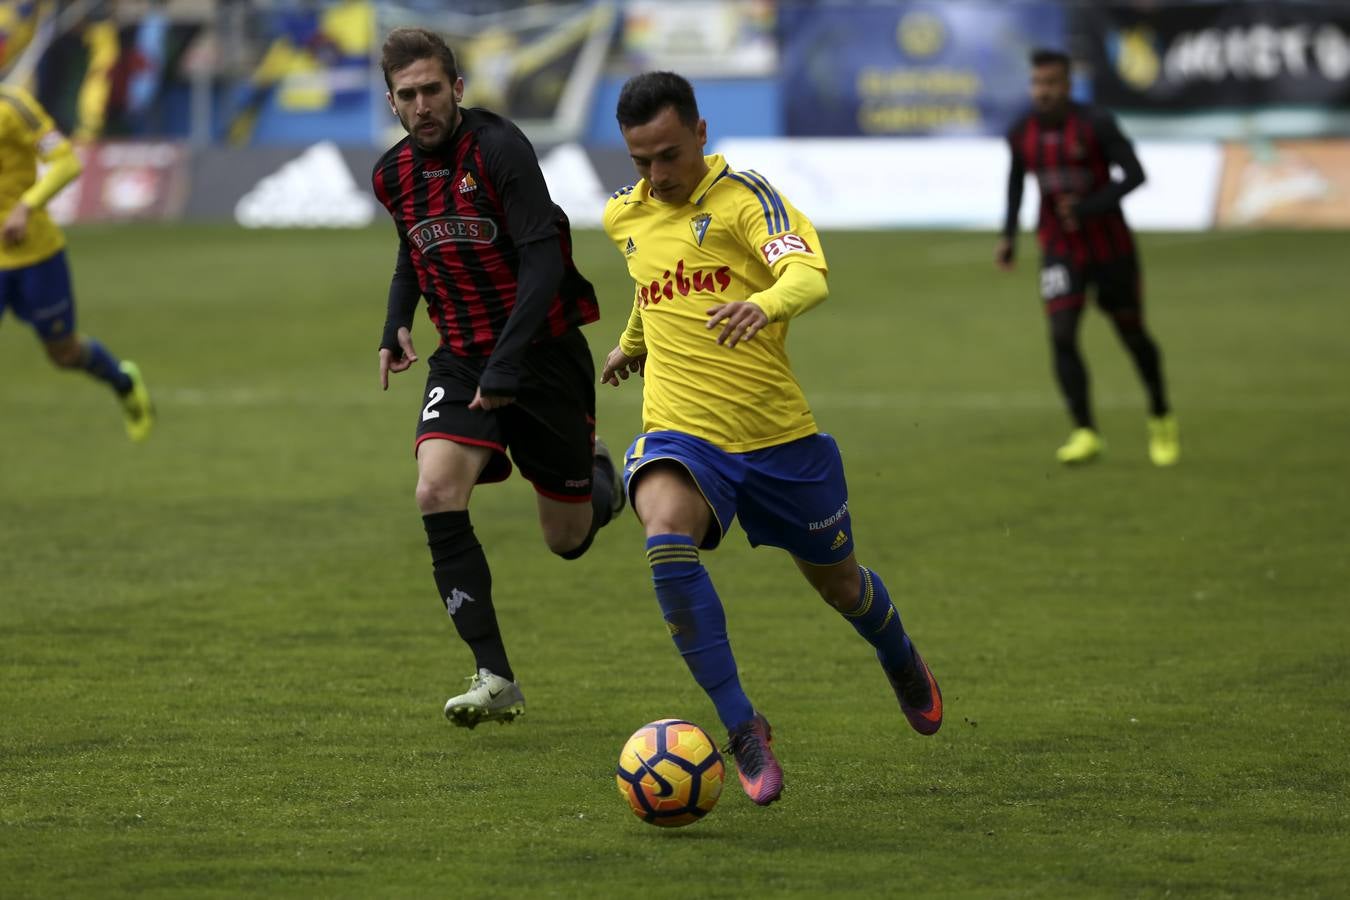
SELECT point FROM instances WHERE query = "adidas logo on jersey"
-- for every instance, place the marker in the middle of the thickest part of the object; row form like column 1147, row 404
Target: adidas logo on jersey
column 630, row 249
column 840, row 540
column 467, row 185
column 314, row 190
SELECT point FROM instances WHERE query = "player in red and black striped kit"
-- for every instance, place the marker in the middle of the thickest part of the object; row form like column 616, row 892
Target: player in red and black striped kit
column 480, row 238
column 1070, row 148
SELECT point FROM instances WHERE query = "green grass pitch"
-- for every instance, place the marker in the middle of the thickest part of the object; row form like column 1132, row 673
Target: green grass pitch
column 223, row 659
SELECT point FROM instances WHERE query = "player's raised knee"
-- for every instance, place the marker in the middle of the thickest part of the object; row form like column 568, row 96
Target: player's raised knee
column 567, row 538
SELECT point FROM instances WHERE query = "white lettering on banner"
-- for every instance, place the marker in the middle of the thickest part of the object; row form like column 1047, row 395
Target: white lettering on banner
column 1258, row 52
column 782, row 245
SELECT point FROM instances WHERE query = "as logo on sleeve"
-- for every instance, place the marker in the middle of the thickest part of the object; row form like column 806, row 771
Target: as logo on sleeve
column 782, row 245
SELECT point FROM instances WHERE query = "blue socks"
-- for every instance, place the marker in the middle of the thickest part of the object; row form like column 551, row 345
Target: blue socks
column 697, row 623
column 878, row 621
column 97, row 361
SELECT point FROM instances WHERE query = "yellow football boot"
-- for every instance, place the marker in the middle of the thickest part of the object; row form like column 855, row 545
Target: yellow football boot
column 1083, row 445
column 136, row 406
column 1164, row 440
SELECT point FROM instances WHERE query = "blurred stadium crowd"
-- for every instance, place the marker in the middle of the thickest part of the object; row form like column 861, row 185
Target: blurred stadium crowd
column 1260, row 89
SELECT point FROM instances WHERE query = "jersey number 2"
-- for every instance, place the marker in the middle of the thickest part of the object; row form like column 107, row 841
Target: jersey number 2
column 1055, row 282
column 436, row 395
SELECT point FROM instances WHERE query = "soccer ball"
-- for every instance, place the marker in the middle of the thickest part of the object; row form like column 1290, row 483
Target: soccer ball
column 670, row 773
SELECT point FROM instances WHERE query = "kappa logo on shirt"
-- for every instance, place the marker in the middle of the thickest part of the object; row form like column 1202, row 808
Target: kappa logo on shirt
column 467, row 185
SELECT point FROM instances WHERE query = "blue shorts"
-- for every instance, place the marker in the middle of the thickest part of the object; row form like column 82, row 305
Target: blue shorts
column 791, row 496
column 41, row 295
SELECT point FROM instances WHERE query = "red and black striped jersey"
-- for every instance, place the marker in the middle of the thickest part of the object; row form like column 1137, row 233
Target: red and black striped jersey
column 462, row 212
column 1072, row 155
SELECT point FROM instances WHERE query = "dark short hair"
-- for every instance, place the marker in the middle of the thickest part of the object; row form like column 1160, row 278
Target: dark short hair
column 1044, row 56
column 405, row 46
column 644, row 97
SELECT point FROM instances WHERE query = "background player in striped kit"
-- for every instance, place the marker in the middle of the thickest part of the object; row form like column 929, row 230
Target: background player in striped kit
column 1085, row 242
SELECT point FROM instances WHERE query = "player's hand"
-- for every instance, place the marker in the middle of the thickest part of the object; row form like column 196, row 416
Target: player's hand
column 619, row 365
column 743, row 320
column 1064, row 206
column 489, row 402
column 389, row 364
column 1003, row 255
column 16, row 225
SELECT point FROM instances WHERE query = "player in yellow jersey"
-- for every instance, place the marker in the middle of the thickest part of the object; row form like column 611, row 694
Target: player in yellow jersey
column 34, row 277
column 721, row 263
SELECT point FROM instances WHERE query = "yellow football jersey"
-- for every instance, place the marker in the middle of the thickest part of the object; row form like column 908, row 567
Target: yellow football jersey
column 27, row 134
column 731, row 239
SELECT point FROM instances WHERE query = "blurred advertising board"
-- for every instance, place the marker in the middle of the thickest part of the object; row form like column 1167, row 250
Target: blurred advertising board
column 320, row 186
column 702, row 38
column 1286, row 183
column 125, row 181
column 1201, row 56
column 959, row 182
column 910, row 68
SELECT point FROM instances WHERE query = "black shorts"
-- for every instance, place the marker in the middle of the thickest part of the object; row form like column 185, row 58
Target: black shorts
column 1117, row 284
column 549, row 429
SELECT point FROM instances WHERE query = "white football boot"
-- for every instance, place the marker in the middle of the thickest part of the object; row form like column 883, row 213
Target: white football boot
column 490, row 698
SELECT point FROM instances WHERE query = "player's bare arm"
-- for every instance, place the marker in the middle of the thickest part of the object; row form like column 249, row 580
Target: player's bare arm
column 619, row 365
